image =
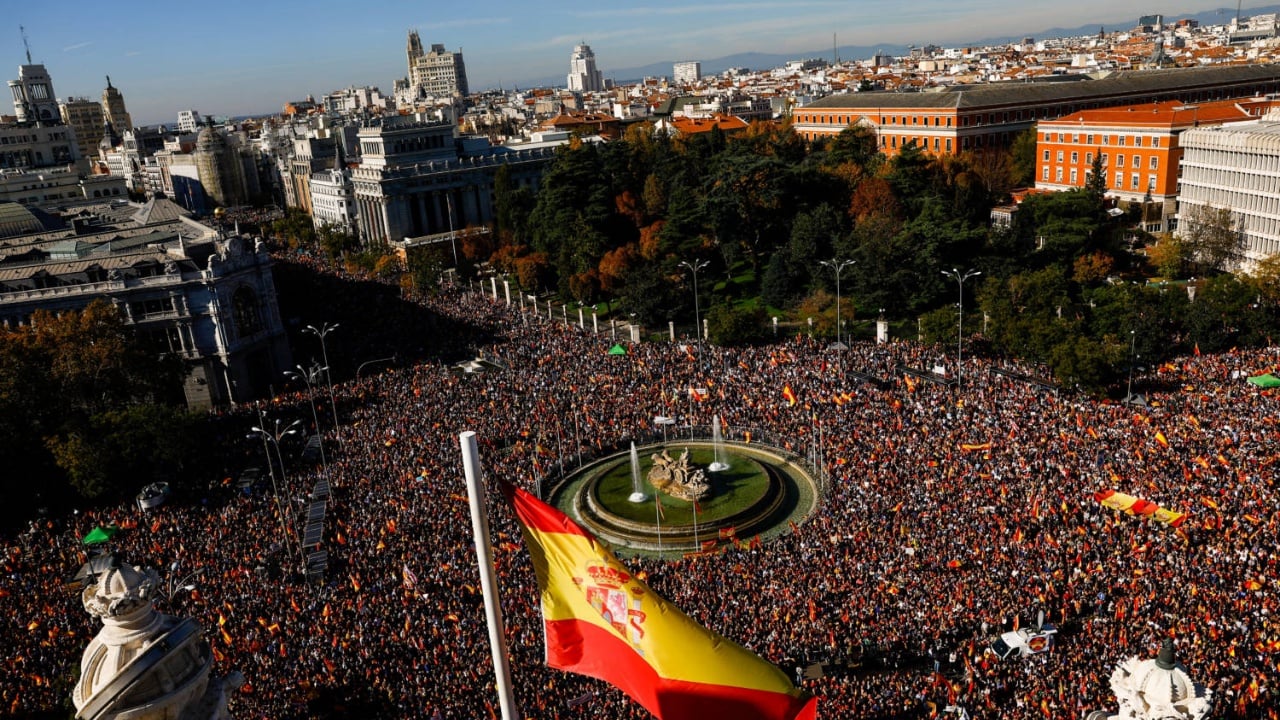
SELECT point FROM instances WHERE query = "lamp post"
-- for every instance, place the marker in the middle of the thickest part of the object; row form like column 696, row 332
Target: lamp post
column 321, row 332
column 310, row 376
column 1133, row 339
column 271, row 436
column 697, row 314
column 838, row 266
column 960, row 278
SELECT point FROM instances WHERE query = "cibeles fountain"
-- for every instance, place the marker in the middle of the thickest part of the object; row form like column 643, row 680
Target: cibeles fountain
column 143, row 664
column 1158, row 689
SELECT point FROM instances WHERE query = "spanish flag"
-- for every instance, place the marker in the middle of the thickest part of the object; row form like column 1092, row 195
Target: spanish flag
column 603, row 622
column 789, row 394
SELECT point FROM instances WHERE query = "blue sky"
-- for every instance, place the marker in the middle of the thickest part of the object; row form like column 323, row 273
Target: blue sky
column 233, row 57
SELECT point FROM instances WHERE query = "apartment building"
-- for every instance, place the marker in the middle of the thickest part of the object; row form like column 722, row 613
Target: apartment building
column 1139, row 147
column 957, row 118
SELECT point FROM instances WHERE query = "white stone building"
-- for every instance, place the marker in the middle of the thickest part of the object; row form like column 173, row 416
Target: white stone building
column 1236, row 167
column 188, row 121
column 583, row 75
column 687, row 73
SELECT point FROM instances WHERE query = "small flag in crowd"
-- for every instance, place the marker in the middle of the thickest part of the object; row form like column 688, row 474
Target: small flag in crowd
column 789, row 394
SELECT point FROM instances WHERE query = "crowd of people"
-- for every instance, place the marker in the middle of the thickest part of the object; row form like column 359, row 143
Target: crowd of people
column 949, row 516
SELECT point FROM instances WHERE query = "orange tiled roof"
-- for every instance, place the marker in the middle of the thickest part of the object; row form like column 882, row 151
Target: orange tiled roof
column 691, row 126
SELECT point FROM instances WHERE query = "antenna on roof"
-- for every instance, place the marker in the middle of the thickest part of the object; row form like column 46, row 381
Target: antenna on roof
column 25, row 44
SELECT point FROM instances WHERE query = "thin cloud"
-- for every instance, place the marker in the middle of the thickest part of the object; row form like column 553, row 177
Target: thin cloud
column 77, row 46
column 133, row 53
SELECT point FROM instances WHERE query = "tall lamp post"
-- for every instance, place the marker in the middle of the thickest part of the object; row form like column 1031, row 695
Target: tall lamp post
column 838, row 266
column 960, row 278
column 1133, row 339
column 311, row 376
column 697, row 314
column 321, row 332
column 272, row 436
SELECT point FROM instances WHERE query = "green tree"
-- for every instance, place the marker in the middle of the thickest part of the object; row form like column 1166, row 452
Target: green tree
column 1022, row 160
column 728, row 325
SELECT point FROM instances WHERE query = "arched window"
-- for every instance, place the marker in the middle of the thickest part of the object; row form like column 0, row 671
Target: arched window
column 244, row 308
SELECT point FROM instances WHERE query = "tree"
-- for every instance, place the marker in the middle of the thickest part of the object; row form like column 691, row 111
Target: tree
column 1211, row 235
column 1096, row 183
column 1169, row 256
column 1022, row 159
column 728, row 326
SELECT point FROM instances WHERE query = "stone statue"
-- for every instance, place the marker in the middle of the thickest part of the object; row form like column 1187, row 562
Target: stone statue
column 677, row 479
column 145, row 665
column 1158, row 689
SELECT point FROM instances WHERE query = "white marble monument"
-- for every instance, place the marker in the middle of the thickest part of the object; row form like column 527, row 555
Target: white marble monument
column 1158, row 689
column 145, row 665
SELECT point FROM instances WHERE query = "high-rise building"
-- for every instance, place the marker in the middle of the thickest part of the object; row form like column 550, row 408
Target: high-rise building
column 188, row 121
column 85, row 116
column 438, row 73
column 33, row 98
column 113, row 108
column 583, row 75
column 687, row 73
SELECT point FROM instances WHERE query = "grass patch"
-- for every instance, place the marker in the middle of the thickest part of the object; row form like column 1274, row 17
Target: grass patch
column 732, row 490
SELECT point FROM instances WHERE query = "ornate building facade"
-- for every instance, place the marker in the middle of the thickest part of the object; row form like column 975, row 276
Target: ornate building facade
column 413, row 180
column 184, row 288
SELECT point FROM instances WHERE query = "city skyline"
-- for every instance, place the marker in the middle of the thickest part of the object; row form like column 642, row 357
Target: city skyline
column 251, row 58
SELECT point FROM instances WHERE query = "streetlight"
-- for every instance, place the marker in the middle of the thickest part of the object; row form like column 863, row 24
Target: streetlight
column 697, row 315
column 310, row 376
column 272, row 436
column 837, row 265
column 960, row 278
column 325, row 329
column 1133, row 339
column 185, row 584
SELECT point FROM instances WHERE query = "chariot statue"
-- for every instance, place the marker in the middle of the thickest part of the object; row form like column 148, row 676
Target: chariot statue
column 677, row 479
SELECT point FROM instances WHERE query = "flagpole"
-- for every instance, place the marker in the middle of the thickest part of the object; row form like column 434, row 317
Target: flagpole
column 488, row 579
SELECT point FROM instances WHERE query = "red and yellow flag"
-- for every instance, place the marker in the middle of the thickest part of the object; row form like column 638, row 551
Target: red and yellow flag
column 789, row 394
column 603, row 622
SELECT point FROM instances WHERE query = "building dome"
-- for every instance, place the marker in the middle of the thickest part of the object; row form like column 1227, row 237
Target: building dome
column 1158, row 688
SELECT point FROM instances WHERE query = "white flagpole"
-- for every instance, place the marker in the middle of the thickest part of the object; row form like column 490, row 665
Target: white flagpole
column 488, row 579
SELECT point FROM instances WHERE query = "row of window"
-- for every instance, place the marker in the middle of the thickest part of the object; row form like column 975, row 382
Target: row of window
column 1252, row 203
column 1153, row 162
column 1106, row 139
column 1135, row 180
column 1225, row 176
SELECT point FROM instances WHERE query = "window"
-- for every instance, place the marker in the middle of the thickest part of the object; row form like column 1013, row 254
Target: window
column 1075, row 138
column 1120, row 140
column 1088, row 158
column 1119, row 160
column 1151, row 183
column 1058, row 175
column 1137, row 161
column 1046, row 156
column 1155, row 163
column 245, row 312
column 1155, row 142
column 1059, row 156
column 1133, row 181
column 1074, row 176
column 1137, row 142
column 1075, row 158
column 1106, row 139
column 1044, row 174
column 1089, row 139
column 1119, row 179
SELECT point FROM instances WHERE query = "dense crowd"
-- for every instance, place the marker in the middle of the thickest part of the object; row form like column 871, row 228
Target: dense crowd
column 948, row 518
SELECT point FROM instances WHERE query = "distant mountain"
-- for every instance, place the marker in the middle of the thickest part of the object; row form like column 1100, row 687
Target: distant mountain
column 765, row 61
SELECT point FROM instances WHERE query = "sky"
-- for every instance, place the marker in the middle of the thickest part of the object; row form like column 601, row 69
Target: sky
column 236, row 57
